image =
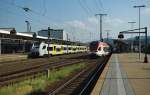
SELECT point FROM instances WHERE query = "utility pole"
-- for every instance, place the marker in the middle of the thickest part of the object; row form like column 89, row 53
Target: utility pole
column 91, row 36
column 0, row 45
column 132, row 26
column 139, row 28
column 48, row 41
column 67, row 42
column 107, row 33
column 101, row 15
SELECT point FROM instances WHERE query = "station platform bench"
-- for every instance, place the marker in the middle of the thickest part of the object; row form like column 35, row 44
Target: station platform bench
column 125, row 74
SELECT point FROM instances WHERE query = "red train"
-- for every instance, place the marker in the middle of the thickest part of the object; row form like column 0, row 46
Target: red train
column 98, row 48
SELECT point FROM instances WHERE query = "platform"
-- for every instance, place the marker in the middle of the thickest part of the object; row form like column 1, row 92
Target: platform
column 125, row 74
column 12, row 57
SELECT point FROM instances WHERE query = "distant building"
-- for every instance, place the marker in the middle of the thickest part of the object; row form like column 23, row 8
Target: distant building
column 54, row 33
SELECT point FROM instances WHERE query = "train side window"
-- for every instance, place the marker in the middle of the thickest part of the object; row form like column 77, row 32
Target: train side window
column 44, row 47
column 99, row 48
column 74, row 49
column 106, row 49
column 50, row 48
column 65, row 48
column 58, row 49
column 69, row 48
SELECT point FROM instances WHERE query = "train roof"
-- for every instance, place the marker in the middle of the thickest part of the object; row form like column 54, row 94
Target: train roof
column 99, row 43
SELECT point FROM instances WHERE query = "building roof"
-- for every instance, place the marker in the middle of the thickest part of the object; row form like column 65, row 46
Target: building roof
column 29, row 36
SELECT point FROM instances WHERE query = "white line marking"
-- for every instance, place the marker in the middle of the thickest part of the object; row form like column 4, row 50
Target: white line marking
column 120, row 85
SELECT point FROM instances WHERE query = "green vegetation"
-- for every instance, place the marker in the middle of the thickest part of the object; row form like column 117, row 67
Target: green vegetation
column 39, row 84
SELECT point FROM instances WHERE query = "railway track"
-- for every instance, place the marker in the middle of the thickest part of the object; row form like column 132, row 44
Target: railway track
column 14, row 76
column 83, row 82
column 34, row 59
column 21, row 65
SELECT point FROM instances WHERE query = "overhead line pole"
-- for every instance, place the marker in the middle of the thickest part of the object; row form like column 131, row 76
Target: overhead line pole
column 49, row 41
column 101, row 15
column 107, row 34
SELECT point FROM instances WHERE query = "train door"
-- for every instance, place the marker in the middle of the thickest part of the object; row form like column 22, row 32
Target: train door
column 62, row 50
column 50, row 50
column 44, row 50
column 54, row 50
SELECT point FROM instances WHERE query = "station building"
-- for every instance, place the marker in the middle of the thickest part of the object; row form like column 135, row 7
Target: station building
column 21, row 42
column 54, row 33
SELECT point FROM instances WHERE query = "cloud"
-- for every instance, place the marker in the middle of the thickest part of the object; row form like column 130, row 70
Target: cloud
column 93, row 20
column 114, row 22
column 146, row 11
column 82, row 29
column 76, row 24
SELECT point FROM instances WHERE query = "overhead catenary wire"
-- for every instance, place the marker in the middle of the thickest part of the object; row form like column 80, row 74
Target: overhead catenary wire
column 32, row 20
column 83, row 7
column 44, row 8
column 86, row 5
column 28, row 9
column 101, row 4
column 97, row 6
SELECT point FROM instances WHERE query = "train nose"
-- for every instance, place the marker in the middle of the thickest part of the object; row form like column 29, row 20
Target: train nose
column 33, row 54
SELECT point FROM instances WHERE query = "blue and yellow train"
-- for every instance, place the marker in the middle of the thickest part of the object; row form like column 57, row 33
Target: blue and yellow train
column 41, row 49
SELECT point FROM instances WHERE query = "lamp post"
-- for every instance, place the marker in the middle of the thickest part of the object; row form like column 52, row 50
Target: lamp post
column 132, row 26
column 139, row 28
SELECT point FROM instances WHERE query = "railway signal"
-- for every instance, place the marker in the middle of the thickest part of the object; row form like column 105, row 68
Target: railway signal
column 121, row 36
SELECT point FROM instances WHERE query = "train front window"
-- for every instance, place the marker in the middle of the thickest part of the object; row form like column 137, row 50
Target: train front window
column 93, row 46
column 106, row 49
column 99, row 49
column 44, row 47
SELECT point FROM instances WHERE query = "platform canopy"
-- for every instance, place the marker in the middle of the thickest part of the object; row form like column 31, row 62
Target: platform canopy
column 10, row 33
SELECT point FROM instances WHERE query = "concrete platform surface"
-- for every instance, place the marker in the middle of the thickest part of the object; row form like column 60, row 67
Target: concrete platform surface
column 12, row 57
column 125, row 74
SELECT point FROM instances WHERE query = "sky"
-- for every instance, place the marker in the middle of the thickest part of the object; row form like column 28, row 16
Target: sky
column 76, row 17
